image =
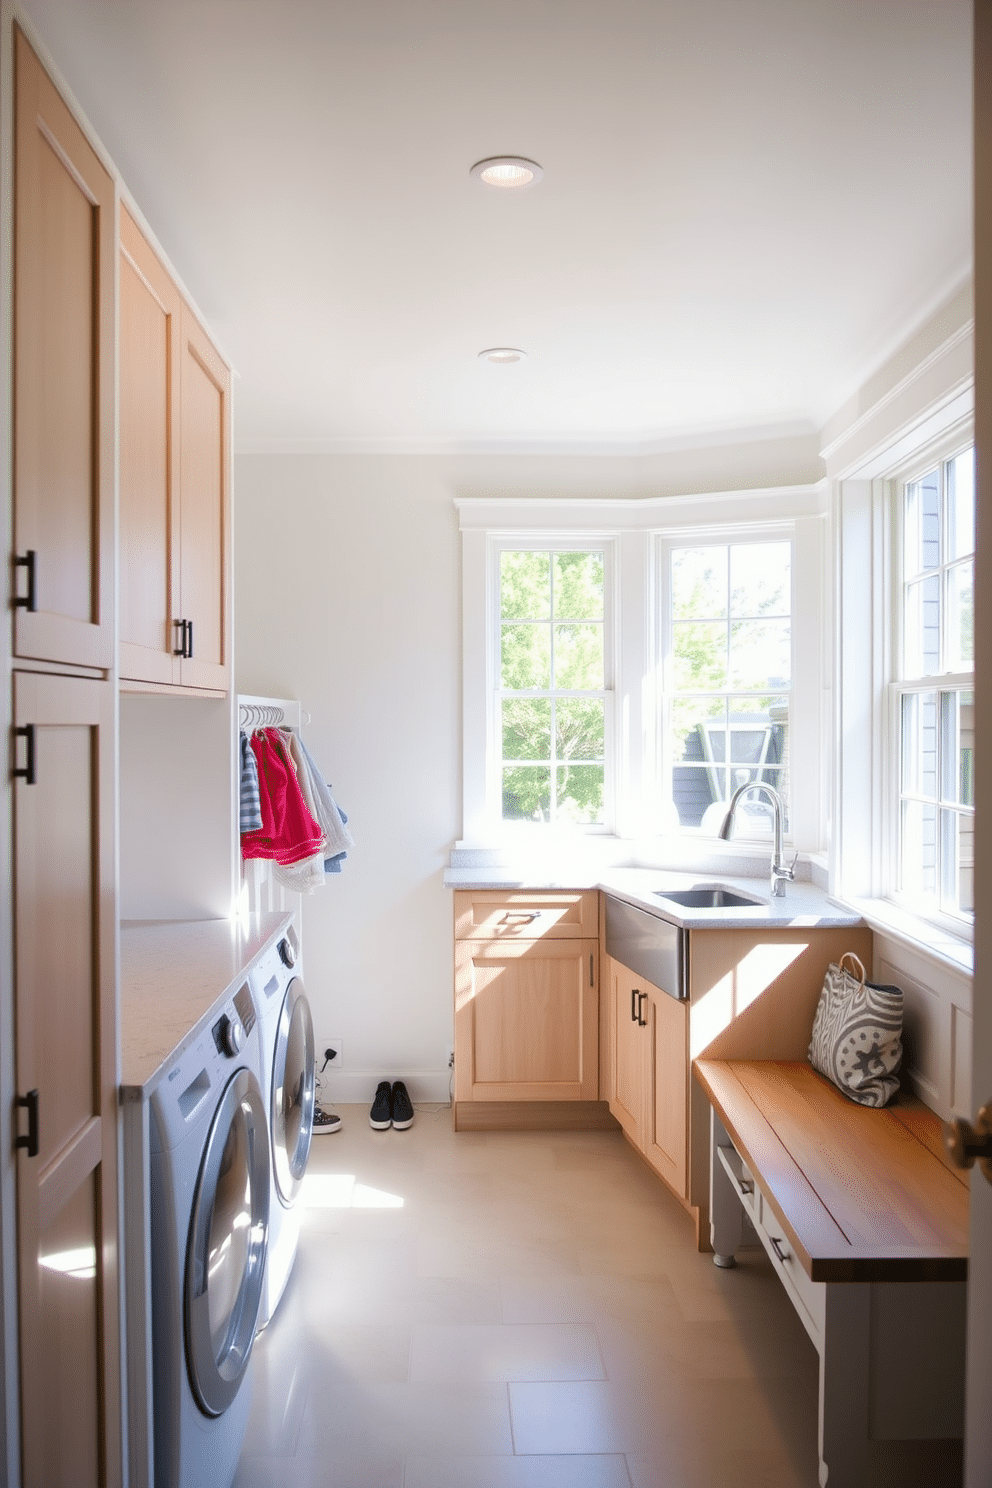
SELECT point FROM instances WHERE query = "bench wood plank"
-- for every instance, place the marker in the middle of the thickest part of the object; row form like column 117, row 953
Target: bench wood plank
column 862, row 1195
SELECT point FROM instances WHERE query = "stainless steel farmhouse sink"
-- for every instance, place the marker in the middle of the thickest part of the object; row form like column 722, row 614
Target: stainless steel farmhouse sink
column 708, row 896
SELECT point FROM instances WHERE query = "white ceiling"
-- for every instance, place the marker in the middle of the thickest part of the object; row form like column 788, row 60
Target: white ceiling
column 746, row 204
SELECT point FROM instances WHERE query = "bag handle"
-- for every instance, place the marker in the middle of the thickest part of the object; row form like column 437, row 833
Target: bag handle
column 856, row 964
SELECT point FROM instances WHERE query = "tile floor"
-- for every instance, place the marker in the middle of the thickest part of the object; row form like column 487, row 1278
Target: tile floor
column 519, row 1311
column 527, row 1310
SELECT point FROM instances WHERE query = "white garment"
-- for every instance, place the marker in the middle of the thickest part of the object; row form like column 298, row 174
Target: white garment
column 324, row 810
column 303, row 877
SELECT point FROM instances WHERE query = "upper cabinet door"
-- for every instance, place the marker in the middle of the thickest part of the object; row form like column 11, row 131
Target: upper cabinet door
column 64, row 246
column 205, row 479
column 149, row 604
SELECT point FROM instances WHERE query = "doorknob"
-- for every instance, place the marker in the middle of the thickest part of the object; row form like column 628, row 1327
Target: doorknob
column 965, row 1142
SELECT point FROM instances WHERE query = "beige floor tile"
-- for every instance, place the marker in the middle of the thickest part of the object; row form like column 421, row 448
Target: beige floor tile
column 644, row 1303
column 413, row 1419
column 326, row 1470
column 442, row 1255
column 682, row 1464
column 564, row 1419
column 553, row 1351
column 517, row 1472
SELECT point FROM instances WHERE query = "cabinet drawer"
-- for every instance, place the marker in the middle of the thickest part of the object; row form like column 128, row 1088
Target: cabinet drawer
column 498, row 915
column 807, row 1296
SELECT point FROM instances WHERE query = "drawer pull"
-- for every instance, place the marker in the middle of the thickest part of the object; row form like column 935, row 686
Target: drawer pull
column 522, row 914
column 27, row 771
column 28, row 601
column 779, row 1249
column 745, row 1186
column 634, row 1004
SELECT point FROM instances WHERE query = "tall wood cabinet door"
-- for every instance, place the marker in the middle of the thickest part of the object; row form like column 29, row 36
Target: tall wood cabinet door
column 66, row 1064
column 64, row 436
column 629, row 1049
column 666, row 1135
column 150, row 313
column 526, row 1020
column 204, row 505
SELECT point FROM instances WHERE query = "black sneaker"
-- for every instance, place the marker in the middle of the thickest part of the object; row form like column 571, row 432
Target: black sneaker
column 381, row 1114
column 325, row 1121
column 402, row 1107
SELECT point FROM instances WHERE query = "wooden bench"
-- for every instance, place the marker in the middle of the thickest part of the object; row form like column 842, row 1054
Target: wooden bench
column 866, row 1223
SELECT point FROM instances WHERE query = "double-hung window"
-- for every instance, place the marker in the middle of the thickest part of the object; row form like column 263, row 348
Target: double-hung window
column 551, row 685
column 933, row 694
column 729, row 679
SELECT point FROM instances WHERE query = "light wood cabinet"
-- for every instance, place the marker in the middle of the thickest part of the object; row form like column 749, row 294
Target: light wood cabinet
column 647, row 1081
column 64, row 432
column 750, row 994
column 174, row 482
column 526, row 1004
column 65, row 1004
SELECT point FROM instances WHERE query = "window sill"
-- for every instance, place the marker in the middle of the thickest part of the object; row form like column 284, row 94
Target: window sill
column 919, row 935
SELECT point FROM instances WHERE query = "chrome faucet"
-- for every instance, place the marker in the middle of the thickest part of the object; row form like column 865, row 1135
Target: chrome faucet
column 782, row 873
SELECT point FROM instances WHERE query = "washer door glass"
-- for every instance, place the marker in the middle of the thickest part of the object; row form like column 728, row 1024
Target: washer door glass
column 292, row 1092
column 226, row 1249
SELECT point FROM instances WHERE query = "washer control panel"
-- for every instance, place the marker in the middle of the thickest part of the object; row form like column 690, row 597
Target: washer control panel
column 231, row 1032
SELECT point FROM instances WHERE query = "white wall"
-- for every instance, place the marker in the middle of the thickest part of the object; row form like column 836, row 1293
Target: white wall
column 347, row 596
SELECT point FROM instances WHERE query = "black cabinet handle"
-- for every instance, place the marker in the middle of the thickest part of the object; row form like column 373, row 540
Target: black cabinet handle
column 634, row 995
column 26, row 772
column 779, row 1248
column 189, row 639
column 30, row 1103
column 180, row 650
column 642, row 999
column 27, row 601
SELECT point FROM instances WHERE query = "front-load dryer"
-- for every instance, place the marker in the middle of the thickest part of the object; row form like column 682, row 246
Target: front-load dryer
column 287, row 1046
column 209, row 1178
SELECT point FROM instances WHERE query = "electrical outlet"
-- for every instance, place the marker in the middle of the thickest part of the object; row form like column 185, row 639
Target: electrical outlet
column 449, row 1056
column 333, row 1052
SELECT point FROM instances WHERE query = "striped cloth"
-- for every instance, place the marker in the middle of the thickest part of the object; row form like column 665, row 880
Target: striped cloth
column 251, row 805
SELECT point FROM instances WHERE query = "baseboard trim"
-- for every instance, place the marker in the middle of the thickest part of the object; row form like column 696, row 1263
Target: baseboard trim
column 534, row 1116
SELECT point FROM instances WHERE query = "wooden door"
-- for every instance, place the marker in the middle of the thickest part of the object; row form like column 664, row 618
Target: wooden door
column 149, row 603
column 64, row 437
column 526, row 1020
column 628, row 1009
column 665, row 1138
column 204, row 506
column 65, row 1025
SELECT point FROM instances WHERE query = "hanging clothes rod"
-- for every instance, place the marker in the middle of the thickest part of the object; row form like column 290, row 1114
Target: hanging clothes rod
column 257, row 715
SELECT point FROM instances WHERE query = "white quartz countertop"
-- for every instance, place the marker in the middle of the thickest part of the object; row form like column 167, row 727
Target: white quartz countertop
column 804, row 905
column 173, row 975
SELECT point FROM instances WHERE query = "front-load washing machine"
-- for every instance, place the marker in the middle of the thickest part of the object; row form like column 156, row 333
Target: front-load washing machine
column 209, row 1179
column 287, row 1047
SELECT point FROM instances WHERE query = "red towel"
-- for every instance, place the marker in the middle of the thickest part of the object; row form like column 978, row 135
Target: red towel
column 289, row 833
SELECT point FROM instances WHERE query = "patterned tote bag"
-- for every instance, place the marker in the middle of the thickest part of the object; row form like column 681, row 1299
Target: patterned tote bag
column 857, row 1034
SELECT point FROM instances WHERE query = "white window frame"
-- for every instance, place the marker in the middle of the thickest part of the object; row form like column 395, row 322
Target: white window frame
column 558, row 543
column 882, row 449
column 891, row 492
column 737, row 536
column 632, row 529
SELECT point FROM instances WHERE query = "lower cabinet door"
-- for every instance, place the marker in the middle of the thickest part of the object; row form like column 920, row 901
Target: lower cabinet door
column 65, row 914
column 526, row 1020
column 665, row 1137
column 628, row 1044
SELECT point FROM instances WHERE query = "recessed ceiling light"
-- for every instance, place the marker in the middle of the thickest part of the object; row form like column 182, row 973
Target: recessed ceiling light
column 501, row 356
column 510, row 172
